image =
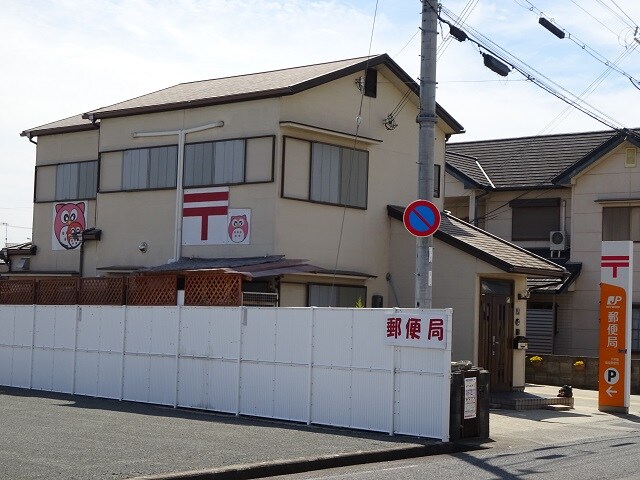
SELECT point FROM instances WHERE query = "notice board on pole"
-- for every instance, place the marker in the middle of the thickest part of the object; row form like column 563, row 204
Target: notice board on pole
column 616, row 290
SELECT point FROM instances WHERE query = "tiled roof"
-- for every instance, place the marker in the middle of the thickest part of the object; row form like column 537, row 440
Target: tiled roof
column 468, row 170
column 72, row 124
column 528, row 162
column 239, row 88
column 489, row 248
column 252, row 267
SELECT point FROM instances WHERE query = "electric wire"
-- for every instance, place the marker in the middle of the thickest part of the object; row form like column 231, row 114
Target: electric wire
column 535, row 76
column 594, row 17
column 616, row 14
column 625, row 13
column 355, row 141
column 583, row 46
column 466, row 12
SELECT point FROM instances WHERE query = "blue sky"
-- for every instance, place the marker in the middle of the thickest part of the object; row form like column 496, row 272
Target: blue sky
column 64, row 57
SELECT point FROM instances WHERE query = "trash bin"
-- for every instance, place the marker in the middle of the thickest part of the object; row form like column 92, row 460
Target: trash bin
column 469, row 404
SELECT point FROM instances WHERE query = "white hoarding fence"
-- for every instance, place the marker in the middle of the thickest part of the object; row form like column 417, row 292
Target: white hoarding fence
column 384, row 370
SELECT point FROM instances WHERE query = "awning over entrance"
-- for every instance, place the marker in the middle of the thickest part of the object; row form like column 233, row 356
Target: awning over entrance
column 252, row 267
column 490, row 248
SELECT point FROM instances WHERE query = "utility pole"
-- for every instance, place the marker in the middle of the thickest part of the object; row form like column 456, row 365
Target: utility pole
column 426, row 144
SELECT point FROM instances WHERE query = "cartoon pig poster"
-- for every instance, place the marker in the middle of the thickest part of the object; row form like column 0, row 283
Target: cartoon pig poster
column 69, row 221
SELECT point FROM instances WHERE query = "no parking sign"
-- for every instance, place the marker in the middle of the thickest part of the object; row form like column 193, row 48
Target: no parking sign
column 421, row 218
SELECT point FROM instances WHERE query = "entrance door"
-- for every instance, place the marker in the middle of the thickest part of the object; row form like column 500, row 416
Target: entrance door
column 496, row 332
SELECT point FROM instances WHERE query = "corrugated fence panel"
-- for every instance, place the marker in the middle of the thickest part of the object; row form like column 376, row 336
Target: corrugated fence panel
column 150, row 350
column 293, row 354
column 320, row 365
column 540, row 330
column 53, row 348
column 208, row 365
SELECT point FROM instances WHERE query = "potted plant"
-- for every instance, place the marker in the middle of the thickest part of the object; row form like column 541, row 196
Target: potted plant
column 579, row 365
column 535, row 361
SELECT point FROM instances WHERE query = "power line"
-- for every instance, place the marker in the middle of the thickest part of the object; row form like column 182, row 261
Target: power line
column 466, row 11
column 594, row 17
column 625, row 13
column 531, row 74
column 583, row 46
column 616, row 14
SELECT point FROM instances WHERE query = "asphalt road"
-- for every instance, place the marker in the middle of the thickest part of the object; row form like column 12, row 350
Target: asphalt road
column 580, row 444
column 55, row 436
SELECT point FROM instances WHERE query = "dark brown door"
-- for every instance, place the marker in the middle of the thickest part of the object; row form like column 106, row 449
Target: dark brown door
column 496, row 332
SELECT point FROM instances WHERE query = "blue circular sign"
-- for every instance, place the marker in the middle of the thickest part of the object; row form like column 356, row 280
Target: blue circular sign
column 421, row 218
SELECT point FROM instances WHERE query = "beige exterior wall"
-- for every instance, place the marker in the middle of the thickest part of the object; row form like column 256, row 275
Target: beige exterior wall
column 67, row 147
column 608, row 178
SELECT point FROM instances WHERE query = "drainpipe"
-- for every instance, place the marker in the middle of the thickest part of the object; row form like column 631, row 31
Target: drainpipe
column 182, row 134
column 30, row 137
column 563, row 213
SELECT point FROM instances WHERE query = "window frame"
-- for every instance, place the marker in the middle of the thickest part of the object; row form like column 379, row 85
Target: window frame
column 519, row 205
column 336, row 286
column 77, row 196
column 629, row 227
column 437, row 172
column 244, row 163
column 122, row 189
column 311, row 176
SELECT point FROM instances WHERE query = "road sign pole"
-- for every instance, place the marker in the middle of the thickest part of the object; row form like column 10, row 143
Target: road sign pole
column 426, row 145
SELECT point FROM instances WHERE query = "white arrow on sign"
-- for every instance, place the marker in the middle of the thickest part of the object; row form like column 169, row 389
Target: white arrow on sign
column 610, row 392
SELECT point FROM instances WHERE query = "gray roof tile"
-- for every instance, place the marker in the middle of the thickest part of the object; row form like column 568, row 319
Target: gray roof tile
column 527, row 162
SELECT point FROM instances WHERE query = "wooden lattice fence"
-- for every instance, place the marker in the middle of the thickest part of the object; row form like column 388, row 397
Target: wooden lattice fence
column 152, row 290
column 57, row 291
column 102, row 291
column 219, row 289
column 18, row 292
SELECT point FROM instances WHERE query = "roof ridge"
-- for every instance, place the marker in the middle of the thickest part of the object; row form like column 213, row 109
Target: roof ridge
column 500, row 239
column 555, row 135
column 366, row 57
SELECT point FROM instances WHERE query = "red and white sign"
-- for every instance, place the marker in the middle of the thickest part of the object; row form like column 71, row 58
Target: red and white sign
column 412, row 330
column 204, row 216
column 615, row 326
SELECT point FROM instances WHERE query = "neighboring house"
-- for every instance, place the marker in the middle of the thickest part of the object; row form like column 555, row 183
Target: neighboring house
column 559, row 196
column 280, row 176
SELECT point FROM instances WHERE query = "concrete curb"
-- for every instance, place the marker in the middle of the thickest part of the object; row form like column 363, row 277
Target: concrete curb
column 307, row 464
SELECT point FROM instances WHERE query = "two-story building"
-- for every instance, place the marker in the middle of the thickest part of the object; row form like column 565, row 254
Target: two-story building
column 296, row 178
column 559, row 196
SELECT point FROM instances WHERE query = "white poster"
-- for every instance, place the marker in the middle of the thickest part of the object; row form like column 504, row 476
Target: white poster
column 470, row 397
column 69, row 221
column 208, row 220
column 204, row 216
column 413, row 330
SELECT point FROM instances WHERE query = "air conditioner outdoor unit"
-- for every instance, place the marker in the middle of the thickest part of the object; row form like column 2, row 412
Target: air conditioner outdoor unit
column 557, row 241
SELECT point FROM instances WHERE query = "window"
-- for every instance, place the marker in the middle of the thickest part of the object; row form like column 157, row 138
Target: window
column 339, row 175
column 621, row 223
column 336, row 296
column 149, row 168
column 75, row 181
column 436, row 181
column 635, row 327
column 214, row 163
column 534, row 219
